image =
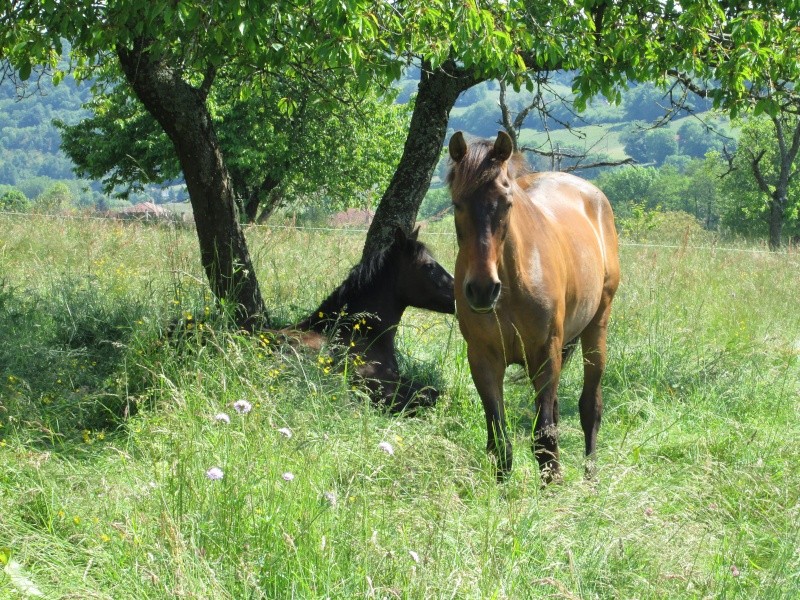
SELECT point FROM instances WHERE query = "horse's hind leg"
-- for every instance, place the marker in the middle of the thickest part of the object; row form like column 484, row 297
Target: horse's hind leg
column 593, row 345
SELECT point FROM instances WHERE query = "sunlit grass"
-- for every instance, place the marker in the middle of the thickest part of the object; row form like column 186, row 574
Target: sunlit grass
column 108, row 430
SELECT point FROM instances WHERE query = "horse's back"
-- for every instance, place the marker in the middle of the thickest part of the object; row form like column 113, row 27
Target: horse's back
column 579, row 209
column 583, row 244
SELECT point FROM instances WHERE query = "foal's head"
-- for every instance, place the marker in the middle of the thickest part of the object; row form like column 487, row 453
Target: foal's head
column 420, row 280
column 481, row 184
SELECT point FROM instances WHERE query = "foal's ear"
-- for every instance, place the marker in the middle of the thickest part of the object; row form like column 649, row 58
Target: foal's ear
column 458, row 146
column 503, row 147
column 400, row 236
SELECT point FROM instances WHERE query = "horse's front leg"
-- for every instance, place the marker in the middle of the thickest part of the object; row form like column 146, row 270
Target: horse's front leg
column 487, row 374
column 545, row 374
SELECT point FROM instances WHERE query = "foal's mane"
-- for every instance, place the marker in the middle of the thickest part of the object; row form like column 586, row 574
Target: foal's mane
column 369, row 274
column 479, row 167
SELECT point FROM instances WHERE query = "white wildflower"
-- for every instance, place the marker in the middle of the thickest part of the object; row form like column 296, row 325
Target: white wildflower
column 215, row 474
column 242, row 406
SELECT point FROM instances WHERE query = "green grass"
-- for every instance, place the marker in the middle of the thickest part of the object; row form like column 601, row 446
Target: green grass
column 699, row 453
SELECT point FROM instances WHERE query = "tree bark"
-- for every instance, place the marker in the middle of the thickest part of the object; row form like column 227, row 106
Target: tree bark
column 182, row 111
column 437, row 94
column 777, row 206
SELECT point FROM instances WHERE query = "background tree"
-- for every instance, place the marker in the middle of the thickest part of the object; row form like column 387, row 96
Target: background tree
column 696, row 138
column 13, row 200
column 650, row 146
column 56, row 198
column 762, row 192
column 337, row 152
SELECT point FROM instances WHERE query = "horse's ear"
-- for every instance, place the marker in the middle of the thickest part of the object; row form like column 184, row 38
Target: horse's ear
column 458, row 146
column 414, row 234
column 503, row 147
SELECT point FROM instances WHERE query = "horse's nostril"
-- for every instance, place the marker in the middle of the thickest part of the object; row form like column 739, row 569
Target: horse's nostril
column 496, row 291
column 469, row 291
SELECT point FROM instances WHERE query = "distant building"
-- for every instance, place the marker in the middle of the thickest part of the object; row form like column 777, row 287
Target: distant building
column 352, row 217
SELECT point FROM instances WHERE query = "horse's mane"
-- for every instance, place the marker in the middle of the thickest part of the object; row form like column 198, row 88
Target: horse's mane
column 479, row 167
column 369, row 274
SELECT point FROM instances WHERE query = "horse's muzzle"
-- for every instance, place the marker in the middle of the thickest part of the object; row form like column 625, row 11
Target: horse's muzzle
column 482, row 297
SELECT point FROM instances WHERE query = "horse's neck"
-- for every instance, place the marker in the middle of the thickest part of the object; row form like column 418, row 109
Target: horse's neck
column 530, row 229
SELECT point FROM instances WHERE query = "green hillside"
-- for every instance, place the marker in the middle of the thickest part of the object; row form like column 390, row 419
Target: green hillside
column 31, row 160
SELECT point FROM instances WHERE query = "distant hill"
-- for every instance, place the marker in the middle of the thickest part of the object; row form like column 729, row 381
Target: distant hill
column 31, row 160
column 29, row 143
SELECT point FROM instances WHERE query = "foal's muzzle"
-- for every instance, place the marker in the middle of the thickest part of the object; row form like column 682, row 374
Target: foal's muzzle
column 482, row 296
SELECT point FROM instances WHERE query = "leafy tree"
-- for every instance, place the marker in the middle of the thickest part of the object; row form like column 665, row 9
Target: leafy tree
column 172, row 54
column 626, row 187
column 13, row 200
column 342, row 149
column 56, row 198
column 745, row 61
column 695, row 139
column 650, row 146
column 762, row 191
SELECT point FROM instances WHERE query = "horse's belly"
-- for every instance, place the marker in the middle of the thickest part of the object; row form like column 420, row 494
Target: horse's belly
column 581, row 315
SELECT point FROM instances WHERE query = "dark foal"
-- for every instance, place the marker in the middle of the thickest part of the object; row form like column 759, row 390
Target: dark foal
column 362, row 315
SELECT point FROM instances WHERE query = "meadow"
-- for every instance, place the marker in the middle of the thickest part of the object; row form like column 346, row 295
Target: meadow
column 213, row 464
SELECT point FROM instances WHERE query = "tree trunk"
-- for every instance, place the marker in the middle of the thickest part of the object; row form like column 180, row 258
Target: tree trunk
column 182, row 112
column 437, row 93
column 264, row 191
column 777, row 206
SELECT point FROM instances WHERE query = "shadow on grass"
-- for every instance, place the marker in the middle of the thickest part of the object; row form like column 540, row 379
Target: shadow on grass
column 65, row 359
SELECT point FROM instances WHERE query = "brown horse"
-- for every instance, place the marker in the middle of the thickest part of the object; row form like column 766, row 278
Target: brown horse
column 537, row 269
column 362, row 315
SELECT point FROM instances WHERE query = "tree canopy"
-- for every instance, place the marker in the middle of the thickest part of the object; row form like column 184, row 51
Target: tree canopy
column 176, row 56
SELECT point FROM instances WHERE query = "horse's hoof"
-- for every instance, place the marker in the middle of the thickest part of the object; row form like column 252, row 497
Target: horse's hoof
column 552, row 474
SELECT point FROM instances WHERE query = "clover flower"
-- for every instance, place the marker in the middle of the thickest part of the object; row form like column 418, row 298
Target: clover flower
column 285, row 432
column 222, row 418
column 386, row 447
column 215, row 474
column 242, row 406
column 288, row 476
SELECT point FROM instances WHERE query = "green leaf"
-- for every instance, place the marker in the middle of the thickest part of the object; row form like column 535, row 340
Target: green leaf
column 25, row 70
column 765, row 105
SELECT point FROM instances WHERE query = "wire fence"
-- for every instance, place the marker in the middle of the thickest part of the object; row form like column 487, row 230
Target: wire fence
column 721, row 247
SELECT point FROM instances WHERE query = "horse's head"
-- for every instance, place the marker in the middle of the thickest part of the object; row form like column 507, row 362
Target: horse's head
column 481, row 185
column 421, row 281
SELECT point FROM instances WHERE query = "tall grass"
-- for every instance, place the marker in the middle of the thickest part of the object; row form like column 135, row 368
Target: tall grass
column 109, row 427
